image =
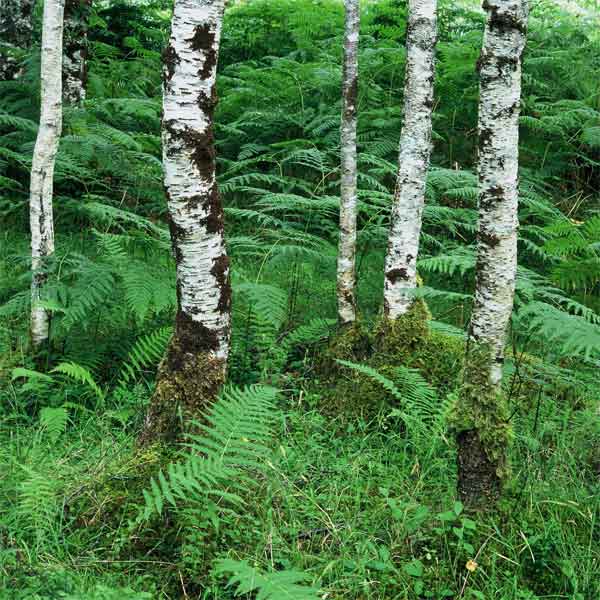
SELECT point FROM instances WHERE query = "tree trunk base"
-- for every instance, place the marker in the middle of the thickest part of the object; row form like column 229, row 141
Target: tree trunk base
column 404, row 334
column 187, row 384
column 479, row 485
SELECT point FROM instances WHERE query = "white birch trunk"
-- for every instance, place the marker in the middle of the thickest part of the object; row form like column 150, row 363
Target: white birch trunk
column 499, row 107
column 483, row 436
column 42, row 167
column 413, row 164
column 346, row 269
column 16, row 26
column 77, row 14
column 195, row 364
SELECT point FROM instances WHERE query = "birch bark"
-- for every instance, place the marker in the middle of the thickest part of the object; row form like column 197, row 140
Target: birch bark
column 194, row 366
column 77, row 14
column 482, row 442
column 16, row 26
column 42, row 167
column 346, row 275
column 414, row 156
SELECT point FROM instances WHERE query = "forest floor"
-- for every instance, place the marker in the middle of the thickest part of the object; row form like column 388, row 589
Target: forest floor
column 354, row 494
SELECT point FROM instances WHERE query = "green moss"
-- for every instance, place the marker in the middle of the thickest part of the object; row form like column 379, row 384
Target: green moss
column 113, row 496
column 402, row 336
column 480, row 422
column 352, row 342
column 406, row 341
column 187, row 383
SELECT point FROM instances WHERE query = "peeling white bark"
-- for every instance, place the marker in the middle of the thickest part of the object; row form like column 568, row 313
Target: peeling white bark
column 44, row 157
column 413, row 164
column 346, row 275
column 194, row 205
column 499, row 106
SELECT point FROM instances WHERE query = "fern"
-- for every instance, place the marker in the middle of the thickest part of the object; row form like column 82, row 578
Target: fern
column 147, row 351
column 277, row 585
column 234, row 442
column 419, row 406
column 37, row 504
column 571, row 334
column 80, row 374
column 53, row 421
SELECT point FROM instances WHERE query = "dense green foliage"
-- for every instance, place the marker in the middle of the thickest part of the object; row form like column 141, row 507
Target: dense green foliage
column 346, row 484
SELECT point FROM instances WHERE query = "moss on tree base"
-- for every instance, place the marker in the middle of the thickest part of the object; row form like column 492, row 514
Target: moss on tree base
column 407, row 341
column 480, row 422
column 406, row 334
column 188, row 382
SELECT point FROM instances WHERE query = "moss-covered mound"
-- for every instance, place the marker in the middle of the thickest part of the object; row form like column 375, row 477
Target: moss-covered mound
column 407, row 341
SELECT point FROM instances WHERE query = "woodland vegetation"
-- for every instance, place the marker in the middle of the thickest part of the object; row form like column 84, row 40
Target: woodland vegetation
column 248, row 349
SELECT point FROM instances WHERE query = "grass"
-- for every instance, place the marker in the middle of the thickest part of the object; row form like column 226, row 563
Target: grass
column 354, row 503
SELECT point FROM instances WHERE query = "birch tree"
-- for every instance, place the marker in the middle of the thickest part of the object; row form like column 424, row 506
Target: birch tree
column 415, row 151
column 346, row 268
column 42, row 167
column 77, row 15
column 16, row 26
column 483, row 433
column 195, row 362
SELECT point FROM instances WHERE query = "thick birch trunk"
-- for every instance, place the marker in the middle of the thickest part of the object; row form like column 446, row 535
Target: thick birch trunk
column 194, row 366
column 483, row 434
column 42, row 167
column 16, row 26
column 415, row 151
column 77, row 14
column 346, row 276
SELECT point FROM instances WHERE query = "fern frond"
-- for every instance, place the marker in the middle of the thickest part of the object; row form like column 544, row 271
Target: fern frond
column 419, row 405
column 234, row 440
column 54, row 421
column 276, row 585
column 80, row 374
column 147, row 351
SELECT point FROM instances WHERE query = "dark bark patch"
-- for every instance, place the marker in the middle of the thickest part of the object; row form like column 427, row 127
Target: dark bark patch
column 220, row 271
column 488, row 239
column 203, row 40
column 351, row 97
column 492, row 196
column 199, row 143
column 170, row 61
column 478, row 482
column 214, row 220
column 508, row 63
column 177, row 233
column 485, row 137
column 192, row 338
column 208, row 103
column 394, row 275
column 504, row 22
column 496, row 191
column 203, row 155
